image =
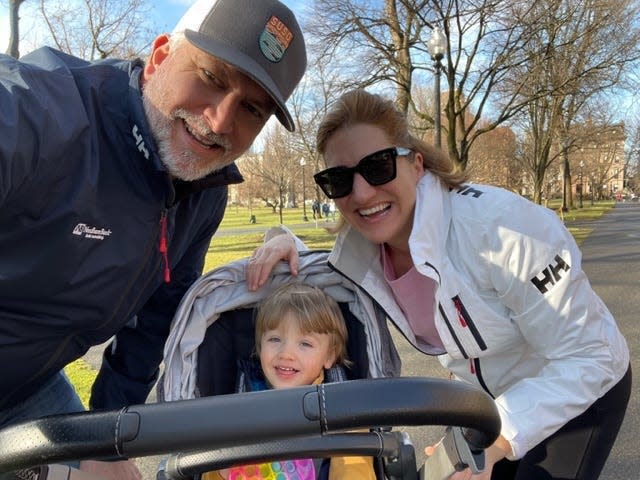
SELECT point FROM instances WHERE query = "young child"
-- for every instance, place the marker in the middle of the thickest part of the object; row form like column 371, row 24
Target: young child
column 300, row 333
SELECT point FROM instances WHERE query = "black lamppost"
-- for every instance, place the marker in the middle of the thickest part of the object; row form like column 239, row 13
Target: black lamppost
column 303, row 162
column 437, row 46
column 581, row 184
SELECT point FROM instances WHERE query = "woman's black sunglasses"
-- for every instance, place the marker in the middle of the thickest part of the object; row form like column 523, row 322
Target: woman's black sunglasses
column 377, row 169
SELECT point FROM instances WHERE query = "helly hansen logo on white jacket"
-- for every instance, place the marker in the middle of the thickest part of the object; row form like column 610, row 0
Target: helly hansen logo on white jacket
column 550, row 275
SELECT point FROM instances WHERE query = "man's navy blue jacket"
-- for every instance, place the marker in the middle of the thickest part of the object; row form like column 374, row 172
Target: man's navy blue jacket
column 84, row 205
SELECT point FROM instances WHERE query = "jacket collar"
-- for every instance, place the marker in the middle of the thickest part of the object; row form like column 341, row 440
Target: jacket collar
column 356, row 256
column 431, row 223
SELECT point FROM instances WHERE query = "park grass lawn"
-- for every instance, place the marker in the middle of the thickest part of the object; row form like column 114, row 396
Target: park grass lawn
column 81, row 375
column 580, row 233
column 582, row 216
column 226, row 247
column 239, row 217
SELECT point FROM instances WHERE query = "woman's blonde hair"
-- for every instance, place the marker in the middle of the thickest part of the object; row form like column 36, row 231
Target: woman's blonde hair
column 361, row 107
column 315, row 311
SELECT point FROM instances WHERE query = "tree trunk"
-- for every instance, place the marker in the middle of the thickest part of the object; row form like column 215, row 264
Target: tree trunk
column 567, row 198
column 538, row 188
column 14, row 29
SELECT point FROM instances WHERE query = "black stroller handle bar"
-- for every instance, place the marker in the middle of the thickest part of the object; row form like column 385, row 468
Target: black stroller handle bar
column 246, row 418
column 183, row 466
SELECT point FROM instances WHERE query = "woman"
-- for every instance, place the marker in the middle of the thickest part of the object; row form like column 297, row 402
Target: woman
column 484, row 279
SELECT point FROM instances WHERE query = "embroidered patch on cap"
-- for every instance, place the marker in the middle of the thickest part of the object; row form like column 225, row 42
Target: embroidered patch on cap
column 275, row 39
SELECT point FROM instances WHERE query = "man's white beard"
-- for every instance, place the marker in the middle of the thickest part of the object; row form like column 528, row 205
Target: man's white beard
column 184, row 165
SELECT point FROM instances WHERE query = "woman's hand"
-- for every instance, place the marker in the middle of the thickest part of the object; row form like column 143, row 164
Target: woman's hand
column 496, row 452
column 264, row 258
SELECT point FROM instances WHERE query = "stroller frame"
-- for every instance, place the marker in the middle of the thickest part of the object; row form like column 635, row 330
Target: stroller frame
column 240, row 420
column 213, row 432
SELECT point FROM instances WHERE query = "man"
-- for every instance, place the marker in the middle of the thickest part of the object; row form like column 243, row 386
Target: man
column 113, row 180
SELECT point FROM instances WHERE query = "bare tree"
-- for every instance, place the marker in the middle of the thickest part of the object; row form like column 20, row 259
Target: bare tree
column 576, row 52
column 93, row 29
column 309, row 104
column 277, row 167
column 386, row 43
column 484, row 46
column 632, row 164
column 599, row 173
column 536, row 147
column 370, row 41
column 14, row 28
column 494, row 160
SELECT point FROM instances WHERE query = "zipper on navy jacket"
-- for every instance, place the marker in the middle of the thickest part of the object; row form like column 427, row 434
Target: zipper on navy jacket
column 163, row 247
column 467, row 322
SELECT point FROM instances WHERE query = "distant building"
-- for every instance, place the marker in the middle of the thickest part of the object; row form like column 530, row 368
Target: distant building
column 492, row 159
column 597, row 160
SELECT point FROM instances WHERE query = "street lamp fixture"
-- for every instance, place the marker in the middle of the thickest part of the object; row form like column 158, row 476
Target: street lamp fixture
column 303, row 162
column 437, row 46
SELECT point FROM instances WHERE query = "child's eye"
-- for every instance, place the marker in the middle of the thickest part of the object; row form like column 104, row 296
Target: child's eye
column 273, row 339
column 306, row 344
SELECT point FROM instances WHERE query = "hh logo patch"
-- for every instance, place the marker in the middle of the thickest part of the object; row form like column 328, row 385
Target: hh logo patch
column 468, row 190
column 275, row 39
column 550, row 275
column 140, row 141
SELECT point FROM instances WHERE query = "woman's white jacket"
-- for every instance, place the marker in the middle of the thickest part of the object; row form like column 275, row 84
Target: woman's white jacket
column 513, row 307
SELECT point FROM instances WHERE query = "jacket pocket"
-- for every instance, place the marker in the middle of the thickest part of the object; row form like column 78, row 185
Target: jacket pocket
column 452, row 331
column 466, row 321
column 462, row 328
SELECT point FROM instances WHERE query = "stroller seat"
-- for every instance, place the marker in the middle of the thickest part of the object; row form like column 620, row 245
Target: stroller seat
column 213, row 328
column 213, row 331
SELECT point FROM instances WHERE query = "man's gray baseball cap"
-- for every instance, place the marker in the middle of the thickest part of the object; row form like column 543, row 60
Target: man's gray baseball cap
column 261, row 38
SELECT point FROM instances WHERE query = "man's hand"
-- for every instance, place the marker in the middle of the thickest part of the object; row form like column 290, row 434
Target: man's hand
column 276, row 248
column 123, row 470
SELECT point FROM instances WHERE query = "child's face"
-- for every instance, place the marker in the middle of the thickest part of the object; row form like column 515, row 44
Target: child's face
column 290, row 358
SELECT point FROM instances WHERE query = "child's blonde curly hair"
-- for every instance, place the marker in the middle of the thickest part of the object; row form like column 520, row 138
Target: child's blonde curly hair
column 315, row 311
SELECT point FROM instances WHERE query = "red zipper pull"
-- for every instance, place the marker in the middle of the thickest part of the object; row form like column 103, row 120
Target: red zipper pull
column 162, row 247
column 458, row 306
column 472, row 367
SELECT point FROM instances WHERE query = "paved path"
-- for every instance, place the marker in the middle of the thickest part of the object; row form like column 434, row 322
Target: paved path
column 612, row 262
column 611, row 259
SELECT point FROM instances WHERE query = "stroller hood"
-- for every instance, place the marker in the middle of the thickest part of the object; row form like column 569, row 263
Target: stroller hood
column 224, row 289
